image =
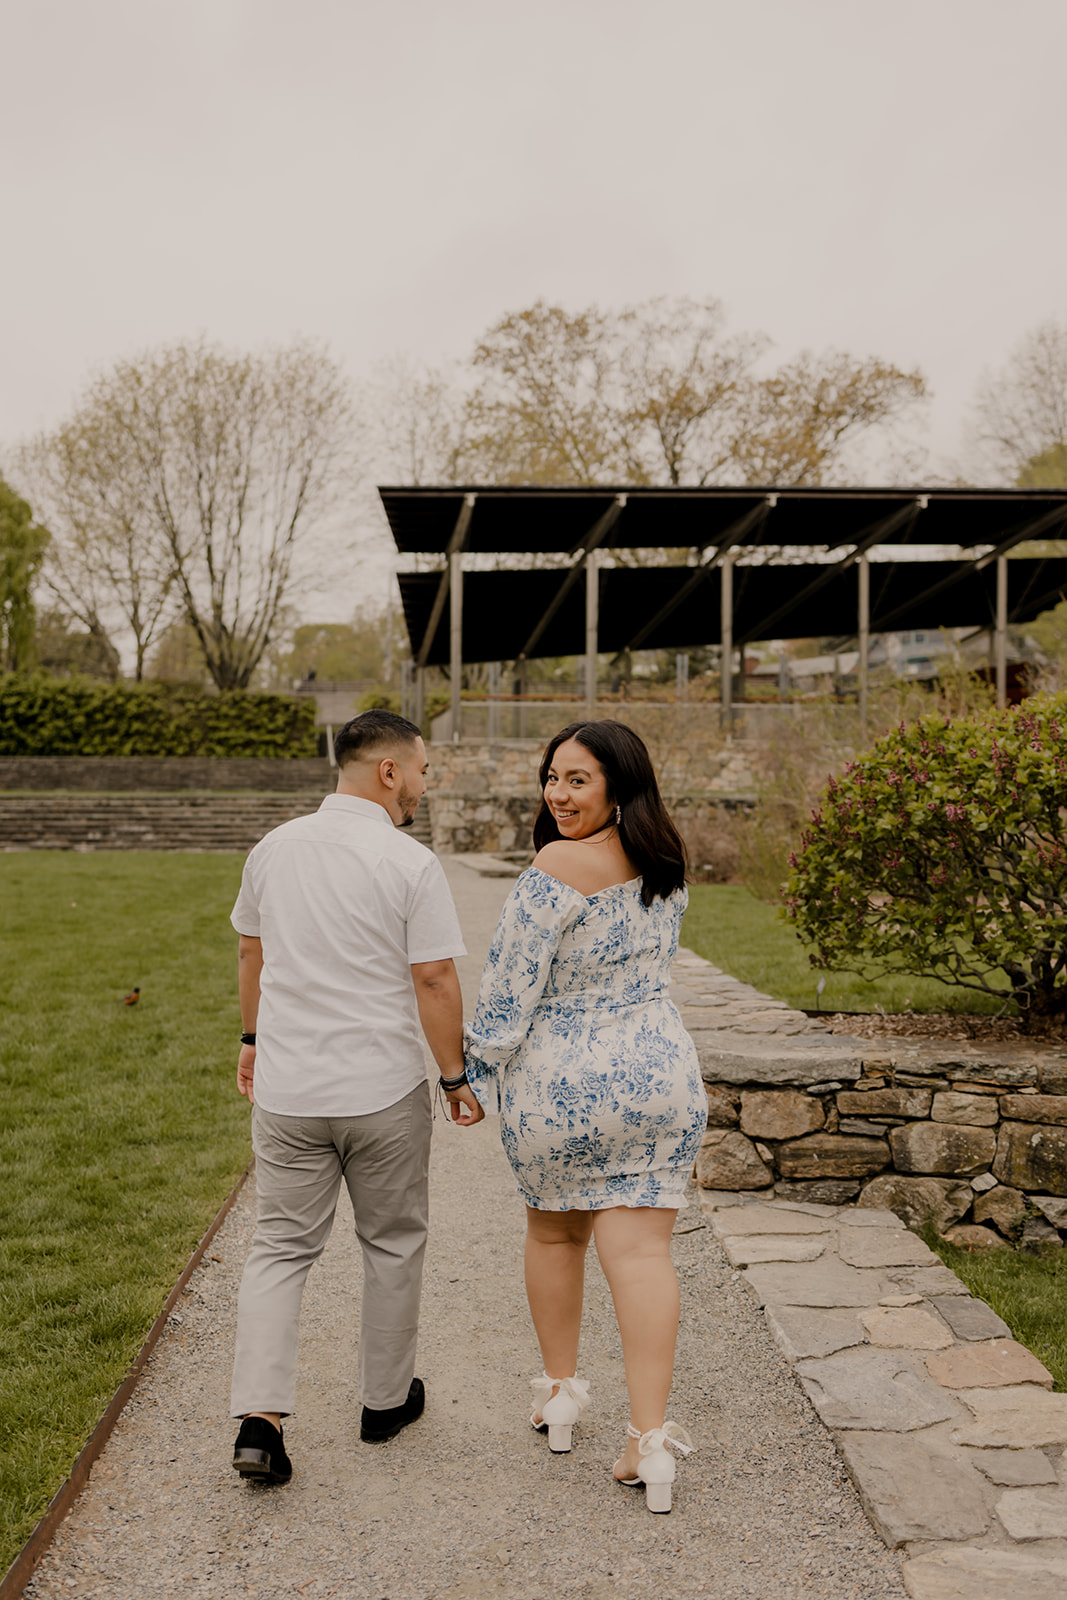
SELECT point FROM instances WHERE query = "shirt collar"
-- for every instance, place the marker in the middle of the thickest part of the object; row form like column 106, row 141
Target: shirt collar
column 362, row 808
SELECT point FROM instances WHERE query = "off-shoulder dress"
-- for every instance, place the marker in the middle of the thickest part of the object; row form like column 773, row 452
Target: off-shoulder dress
column 577, row 1044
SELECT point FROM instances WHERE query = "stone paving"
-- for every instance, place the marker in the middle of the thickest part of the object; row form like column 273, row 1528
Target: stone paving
column 948, row 1427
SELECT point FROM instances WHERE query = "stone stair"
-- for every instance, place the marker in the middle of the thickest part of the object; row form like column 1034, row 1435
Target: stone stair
column 88, row 820
column 137, row 821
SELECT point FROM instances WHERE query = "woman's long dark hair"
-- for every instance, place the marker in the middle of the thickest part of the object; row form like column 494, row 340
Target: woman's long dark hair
column 646, row 831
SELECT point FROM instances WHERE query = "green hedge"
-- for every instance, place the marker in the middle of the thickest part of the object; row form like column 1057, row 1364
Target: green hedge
column 42, row 716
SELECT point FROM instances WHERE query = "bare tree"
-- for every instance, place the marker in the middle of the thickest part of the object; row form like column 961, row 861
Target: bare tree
column 1020, row 412
column 107, row 565
column 415, row 422
column 201, row 470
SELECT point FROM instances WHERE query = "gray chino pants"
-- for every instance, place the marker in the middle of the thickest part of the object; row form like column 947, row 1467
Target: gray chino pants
column 384, row 1159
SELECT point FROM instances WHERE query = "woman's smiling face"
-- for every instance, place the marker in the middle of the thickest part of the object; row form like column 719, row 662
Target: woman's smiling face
column 576, row 792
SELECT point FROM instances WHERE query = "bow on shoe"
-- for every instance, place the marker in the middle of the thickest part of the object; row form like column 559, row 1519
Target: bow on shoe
column 671, row 1433
column 576, row 1391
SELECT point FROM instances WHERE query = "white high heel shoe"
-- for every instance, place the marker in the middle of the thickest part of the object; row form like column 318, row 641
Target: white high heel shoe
column 656, row 1467
column 560, row 1411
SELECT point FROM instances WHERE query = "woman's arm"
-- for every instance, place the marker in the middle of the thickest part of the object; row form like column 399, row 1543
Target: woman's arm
column 524, row 946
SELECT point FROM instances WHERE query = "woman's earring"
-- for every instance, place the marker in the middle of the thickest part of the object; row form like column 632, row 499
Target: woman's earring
column 618, row 815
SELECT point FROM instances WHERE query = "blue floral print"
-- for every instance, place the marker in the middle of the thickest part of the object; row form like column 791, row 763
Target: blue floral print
column 575, row 1042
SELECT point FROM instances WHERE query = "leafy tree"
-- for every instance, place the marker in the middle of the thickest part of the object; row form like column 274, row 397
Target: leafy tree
column 178, row 656
column 798, row 423
column 645, row 395
column 22, row 547
column 1047, row 470
column 190, row 476
column 342, row 652
column 942, row 852
column 66, row 650
column 656, row 393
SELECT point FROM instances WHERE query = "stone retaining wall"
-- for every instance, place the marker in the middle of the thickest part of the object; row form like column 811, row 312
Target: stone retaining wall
column 484, row 797
column 971, row 1137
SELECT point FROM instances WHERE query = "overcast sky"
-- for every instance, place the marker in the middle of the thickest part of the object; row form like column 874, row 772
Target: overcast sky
column 883, row 178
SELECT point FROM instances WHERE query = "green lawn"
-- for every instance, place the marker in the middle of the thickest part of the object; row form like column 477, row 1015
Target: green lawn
column 1028, row 1290
column 746, row 938
column 121, row 1131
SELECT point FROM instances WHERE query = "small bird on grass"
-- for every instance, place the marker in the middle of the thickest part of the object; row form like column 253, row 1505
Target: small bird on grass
column 132, row 998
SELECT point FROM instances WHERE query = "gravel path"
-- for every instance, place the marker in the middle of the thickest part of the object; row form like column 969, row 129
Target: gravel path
column 468, row 1503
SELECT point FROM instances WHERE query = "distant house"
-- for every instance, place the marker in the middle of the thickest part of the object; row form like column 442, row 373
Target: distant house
column 919, row 654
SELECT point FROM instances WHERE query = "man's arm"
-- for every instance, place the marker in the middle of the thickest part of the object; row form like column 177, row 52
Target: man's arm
column 249, row 967
column 441, row 1014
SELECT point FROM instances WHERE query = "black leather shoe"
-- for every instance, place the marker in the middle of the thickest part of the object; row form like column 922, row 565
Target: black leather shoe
column 378, row 1425
column 259, row 1452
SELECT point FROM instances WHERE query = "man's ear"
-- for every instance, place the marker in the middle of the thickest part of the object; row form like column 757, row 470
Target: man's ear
column 387, row 771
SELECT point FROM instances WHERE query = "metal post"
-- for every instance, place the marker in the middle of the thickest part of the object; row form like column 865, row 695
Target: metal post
column 681, row 677
column 494, row 704
column 455, row 655
column 726, row 633
column 1002, row 632
column 863, row 568
column 419, row 713
column 592, row 627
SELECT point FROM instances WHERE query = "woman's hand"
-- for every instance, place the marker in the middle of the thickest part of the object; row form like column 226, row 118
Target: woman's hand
column 463, row 1106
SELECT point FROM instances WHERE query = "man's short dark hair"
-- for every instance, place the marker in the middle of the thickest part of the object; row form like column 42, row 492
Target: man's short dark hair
column 373, row 730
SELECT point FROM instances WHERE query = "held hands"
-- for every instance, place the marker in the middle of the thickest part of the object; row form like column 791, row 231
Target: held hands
column 246, row 1066
column 463, row 1107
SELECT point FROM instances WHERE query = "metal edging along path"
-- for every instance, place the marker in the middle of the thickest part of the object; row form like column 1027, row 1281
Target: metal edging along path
column 21, row 1569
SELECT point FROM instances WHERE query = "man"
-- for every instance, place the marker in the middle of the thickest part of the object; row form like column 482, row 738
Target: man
column 347, row 938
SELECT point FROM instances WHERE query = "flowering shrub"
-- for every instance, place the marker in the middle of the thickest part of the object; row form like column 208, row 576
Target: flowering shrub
column 943, row 852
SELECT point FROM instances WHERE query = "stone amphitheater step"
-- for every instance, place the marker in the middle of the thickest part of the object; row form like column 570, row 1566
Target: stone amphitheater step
column 88, row 821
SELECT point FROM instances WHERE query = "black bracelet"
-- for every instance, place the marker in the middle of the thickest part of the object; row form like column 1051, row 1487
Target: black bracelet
column 248, row 1038
column 454, row 1083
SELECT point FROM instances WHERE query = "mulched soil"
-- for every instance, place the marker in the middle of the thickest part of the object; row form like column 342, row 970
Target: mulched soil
column 932, row 1025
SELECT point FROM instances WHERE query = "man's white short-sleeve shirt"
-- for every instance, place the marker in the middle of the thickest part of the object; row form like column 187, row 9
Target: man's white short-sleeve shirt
column 344, row 904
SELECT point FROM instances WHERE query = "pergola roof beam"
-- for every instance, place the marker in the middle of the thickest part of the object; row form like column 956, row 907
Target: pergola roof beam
column 591, row 541
column 875, row 534
column 455, row 544
column 713, row 554
column 1031, row 530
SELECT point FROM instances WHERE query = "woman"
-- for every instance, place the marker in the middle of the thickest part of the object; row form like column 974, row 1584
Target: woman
column 577, row 1044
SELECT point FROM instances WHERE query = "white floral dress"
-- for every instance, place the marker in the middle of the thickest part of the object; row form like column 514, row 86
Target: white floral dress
column 577, row 1044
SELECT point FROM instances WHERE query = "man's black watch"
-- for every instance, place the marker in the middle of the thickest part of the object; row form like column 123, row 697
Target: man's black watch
column 248, row 1038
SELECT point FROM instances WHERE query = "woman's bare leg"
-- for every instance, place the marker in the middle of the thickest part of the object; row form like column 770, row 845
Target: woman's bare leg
column 634, row 1246
column 556, row 1242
